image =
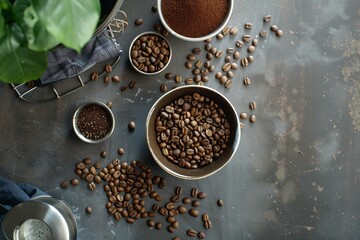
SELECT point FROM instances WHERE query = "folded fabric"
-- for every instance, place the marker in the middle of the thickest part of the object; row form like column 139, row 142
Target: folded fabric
column 12, row 194
column 65, row 63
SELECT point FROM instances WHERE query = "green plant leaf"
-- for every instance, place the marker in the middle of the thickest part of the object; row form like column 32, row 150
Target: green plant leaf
column 18, row 63
column 72, row 22
column 5, row 4
column 2, row 24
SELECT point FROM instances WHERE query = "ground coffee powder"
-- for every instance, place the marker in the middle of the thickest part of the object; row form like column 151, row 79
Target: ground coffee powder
column 194, row 18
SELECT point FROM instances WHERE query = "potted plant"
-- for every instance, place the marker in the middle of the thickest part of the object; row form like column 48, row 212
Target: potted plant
column 30, row 28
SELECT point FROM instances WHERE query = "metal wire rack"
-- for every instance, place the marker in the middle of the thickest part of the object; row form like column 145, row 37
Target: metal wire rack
column 34, row 93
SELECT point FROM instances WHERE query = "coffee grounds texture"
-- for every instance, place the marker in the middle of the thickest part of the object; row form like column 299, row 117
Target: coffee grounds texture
column 194, row 18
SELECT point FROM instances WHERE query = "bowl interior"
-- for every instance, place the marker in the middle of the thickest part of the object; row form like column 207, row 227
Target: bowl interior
column 196, row 39
column 218, row 163
column 76, row 117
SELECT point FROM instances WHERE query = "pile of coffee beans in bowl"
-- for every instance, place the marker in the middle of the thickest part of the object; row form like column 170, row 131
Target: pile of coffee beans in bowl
column 150, row 53
column 192, row 131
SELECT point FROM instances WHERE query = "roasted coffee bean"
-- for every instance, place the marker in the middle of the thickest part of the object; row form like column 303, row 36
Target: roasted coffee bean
column 227, row 59
column 219, row 54
column 228, row 83
column 218, row 75
column 250, row 58
column 130, row 220
column 175, row 238
column 103, row 154
column 263, row 33
column 108, row 68
column 279, row 33
column 239, row 43
column 132, row 84
column 252, row 118
column 91, row 186
column 182, row 209
column 234, row 30
column 244, row 62
column 213, row 50
column 123, row 88
column 251, row 49
column 255, row 42
column 170, row 229
column 223, row 80
column 205, row 217
column 115, row 79
column 163, row 88
column 154, row 9
column 201, row 235
column 163, row 211
column 226, row 67
column 207, row 46
column 132, row 125
column 234, row 66
column 248, row 25
column 226, row 30
column 155, row 207
column 89, row 177
column 246, row 38
column 236, row 55
column 178, row 190
column 219, row 36
column 188, row 65
column 230, row 50
column 88, row 210
column 121, row 151
column 187, row 200
column 201, row 195
column 190, row 57
column 220, row 202
column 267, row 18
column 158, row 226
column 97, row 165
column 74, row 181
column 168, row 75
column 208, row 224
column 109, row 104
column 194, row 192
column 157, row 27
column 191, row 233
column 150, row 223
column 80, row 166
column 230, row 74
column 243, row 115
column 87, row 161
column 64, row 184
column 94, row 76
column 195, row 203
column 196, row 50
column 177, row 78
column 189, row 81
column 175, row 224
column 211, row 68
column 274, row 28
column 241, row 125
column 139, row 21
column 209, row 56
column 252, row 105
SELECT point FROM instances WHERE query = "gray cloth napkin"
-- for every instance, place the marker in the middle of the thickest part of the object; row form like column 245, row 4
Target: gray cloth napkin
column 65, row 63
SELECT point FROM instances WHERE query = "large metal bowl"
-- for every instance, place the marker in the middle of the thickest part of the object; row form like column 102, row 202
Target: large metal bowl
column 40, row 218
column 109, row 9
column 216, row 165
column 196, row 39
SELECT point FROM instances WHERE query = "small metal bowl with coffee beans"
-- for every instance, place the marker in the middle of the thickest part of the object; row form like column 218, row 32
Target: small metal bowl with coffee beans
column 150, row 53
column 192, row 131
column 93, row 122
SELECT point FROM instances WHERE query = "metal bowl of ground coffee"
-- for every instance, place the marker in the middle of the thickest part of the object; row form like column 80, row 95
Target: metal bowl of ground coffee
column 150, row 53
column 93, row 122
column 195, row 20
column 192, row 132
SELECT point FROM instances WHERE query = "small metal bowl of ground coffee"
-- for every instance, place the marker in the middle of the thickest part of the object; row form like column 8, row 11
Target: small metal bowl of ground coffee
column 195, row 20
column 192, row 132
column 93, row 122
column 150, row 53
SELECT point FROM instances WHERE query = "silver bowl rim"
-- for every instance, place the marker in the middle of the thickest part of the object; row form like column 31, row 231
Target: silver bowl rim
column 234, row 146
column 150, row 33
column 190, row 39
column 76, row 115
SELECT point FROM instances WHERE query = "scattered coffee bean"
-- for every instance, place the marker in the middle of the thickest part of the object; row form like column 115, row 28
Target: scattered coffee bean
column 209, row 56
column 168, row 75
column 263, row 33
column 191, row 233
column 123, row 88
column 163, row 88
column 189, row 81
column 121, row 151
column 88, row 210
column 236, row 55
column 279, row 33
column 193, row 212
column 207, row 47
column 188, row 65
column 196, row 50
column 227, row 59
column 182, row 209
column 239, row 43
column 267, row 18
column 218, row 75
column 177, row 78
column 220, row 202
column 64, row 184
column 201, row 235
column 208, row 224
column 251, row 49
column 219, row 54
column 186, row 200
column 252, row 118
column 198, row 64
column 223, row 80
column 246, row 38
column 248, row 25
column 274, row 28
column 225, row 31
column 230, row 50
column 196, row 71
column 132, row 125
column 107, row 79
column 201, row 195
column 226, row 67
column 195, row 203
column 230, row 74
column 194, row 192
column 94, row 76
column 80, row 166
column 150, row 223
column 252, row 105
column 115, row 79
column 255, row 42
column 158, row 226
column 219, row 36
column 154, row 8
column 91, row 186
column 244, row 62
column 178, row 190
column 241, row 125
column 103, row 154
column 234, row 66
column 234, row 30
column 157, row 27
column 205, row 217
column 109, row 104
column 74, row 181
column 132, row 84
column 139, row 21
column 87, row 161
column 108, row 68
column 190, row 57
column 176, row 238
column 243, row 115
column 213, row 50
column 250, row 58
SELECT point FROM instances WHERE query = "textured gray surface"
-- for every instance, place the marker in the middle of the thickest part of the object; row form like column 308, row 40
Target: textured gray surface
column 296, row 173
